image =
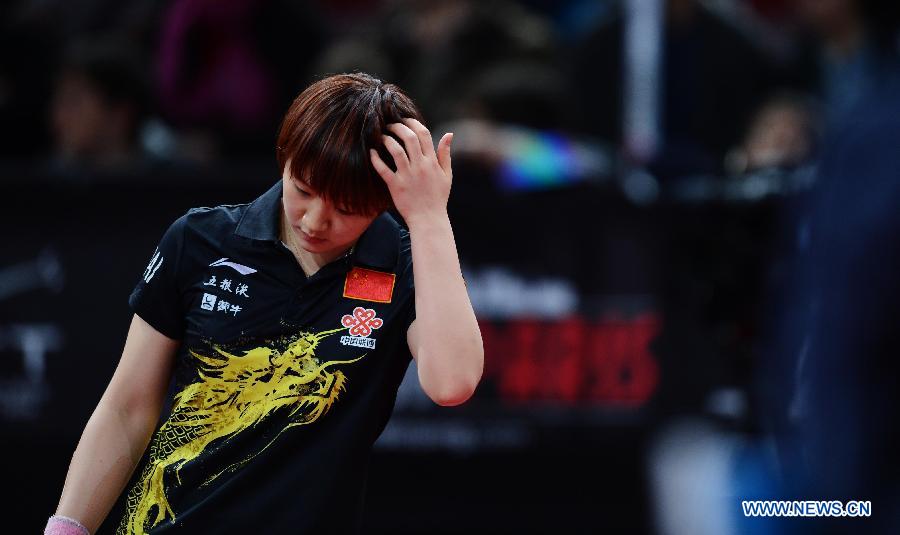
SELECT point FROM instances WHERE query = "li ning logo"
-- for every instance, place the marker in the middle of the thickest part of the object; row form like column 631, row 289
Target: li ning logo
column 360, row 324
column 153, row 266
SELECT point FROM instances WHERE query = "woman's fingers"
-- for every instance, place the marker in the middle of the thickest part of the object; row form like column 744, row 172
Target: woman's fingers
column 417, row 147
column 380, row 167
column 399, row 155
column 425, row 142
column 443, row 153
column 410, row 140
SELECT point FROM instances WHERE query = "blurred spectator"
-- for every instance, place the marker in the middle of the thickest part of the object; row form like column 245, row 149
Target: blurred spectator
column 346, row 17
column 32, row 36
column 100, row 102
column 693, row 89
column 355, row 55
column 572, row 18
column 226, row 71
column 132, row 22
column 440, row 49
column 523, row 93
column 782, row 134
column 836, row 358
column 486, row 69
column 829, row 382
column 776, row 10
column 838, row 54
column 25, row 83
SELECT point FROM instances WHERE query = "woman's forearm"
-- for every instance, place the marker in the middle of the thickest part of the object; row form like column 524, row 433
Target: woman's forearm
column 451, row 358
column 444, row 338
column 110, row 447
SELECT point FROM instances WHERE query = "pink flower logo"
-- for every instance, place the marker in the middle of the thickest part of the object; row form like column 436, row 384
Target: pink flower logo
column 362, row 322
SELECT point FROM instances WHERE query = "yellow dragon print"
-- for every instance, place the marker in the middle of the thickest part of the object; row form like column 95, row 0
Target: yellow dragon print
column 234, row 393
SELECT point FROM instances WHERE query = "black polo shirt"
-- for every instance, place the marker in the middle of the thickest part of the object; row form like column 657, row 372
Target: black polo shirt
column 282, row 383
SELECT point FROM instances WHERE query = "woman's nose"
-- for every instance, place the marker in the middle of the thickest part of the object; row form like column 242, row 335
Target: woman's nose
column 316, row 217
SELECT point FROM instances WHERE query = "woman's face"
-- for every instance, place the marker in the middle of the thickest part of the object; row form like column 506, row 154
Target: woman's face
column 318, row 226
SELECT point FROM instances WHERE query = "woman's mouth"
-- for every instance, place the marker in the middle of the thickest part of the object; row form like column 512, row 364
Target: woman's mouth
column 312, row 240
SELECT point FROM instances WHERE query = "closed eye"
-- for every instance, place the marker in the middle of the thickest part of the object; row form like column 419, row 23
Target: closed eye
column 302, row 191
column 306, row 194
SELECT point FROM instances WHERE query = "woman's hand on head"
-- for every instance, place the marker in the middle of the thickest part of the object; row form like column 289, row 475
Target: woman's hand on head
column 420, row 187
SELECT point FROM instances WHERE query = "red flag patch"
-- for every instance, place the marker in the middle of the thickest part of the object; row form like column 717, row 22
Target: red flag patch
column 368, row 285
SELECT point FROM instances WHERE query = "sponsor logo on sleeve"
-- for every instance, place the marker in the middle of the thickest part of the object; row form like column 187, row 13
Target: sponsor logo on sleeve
column 153, row 266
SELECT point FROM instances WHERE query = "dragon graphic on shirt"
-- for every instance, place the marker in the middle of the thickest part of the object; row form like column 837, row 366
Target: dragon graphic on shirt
column 234, row 393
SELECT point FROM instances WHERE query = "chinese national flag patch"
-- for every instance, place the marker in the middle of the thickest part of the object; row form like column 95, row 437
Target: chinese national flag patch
column 368, row 285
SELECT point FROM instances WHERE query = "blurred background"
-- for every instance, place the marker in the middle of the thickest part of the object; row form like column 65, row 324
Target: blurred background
column 678, row 221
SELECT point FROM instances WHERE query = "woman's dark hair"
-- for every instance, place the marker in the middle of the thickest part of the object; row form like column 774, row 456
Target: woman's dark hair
column 327, row 132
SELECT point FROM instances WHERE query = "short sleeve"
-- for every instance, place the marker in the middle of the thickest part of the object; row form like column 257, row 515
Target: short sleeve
column 411, row 314
column 157, row 297
column 406, row 275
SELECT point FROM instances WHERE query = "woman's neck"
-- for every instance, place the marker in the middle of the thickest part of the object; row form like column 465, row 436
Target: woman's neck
column 309, row 262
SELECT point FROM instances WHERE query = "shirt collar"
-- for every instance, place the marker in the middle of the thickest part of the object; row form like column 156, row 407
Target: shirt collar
column 261, row 220
column 378, row 247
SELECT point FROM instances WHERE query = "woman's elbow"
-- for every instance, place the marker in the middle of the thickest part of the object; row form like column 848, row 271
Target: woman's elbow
column 462, row 388
column 452, row 398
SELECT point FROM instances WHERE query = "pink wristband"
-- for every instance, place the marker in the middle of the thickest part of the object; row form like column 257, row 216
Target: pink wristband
column 63, row 525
